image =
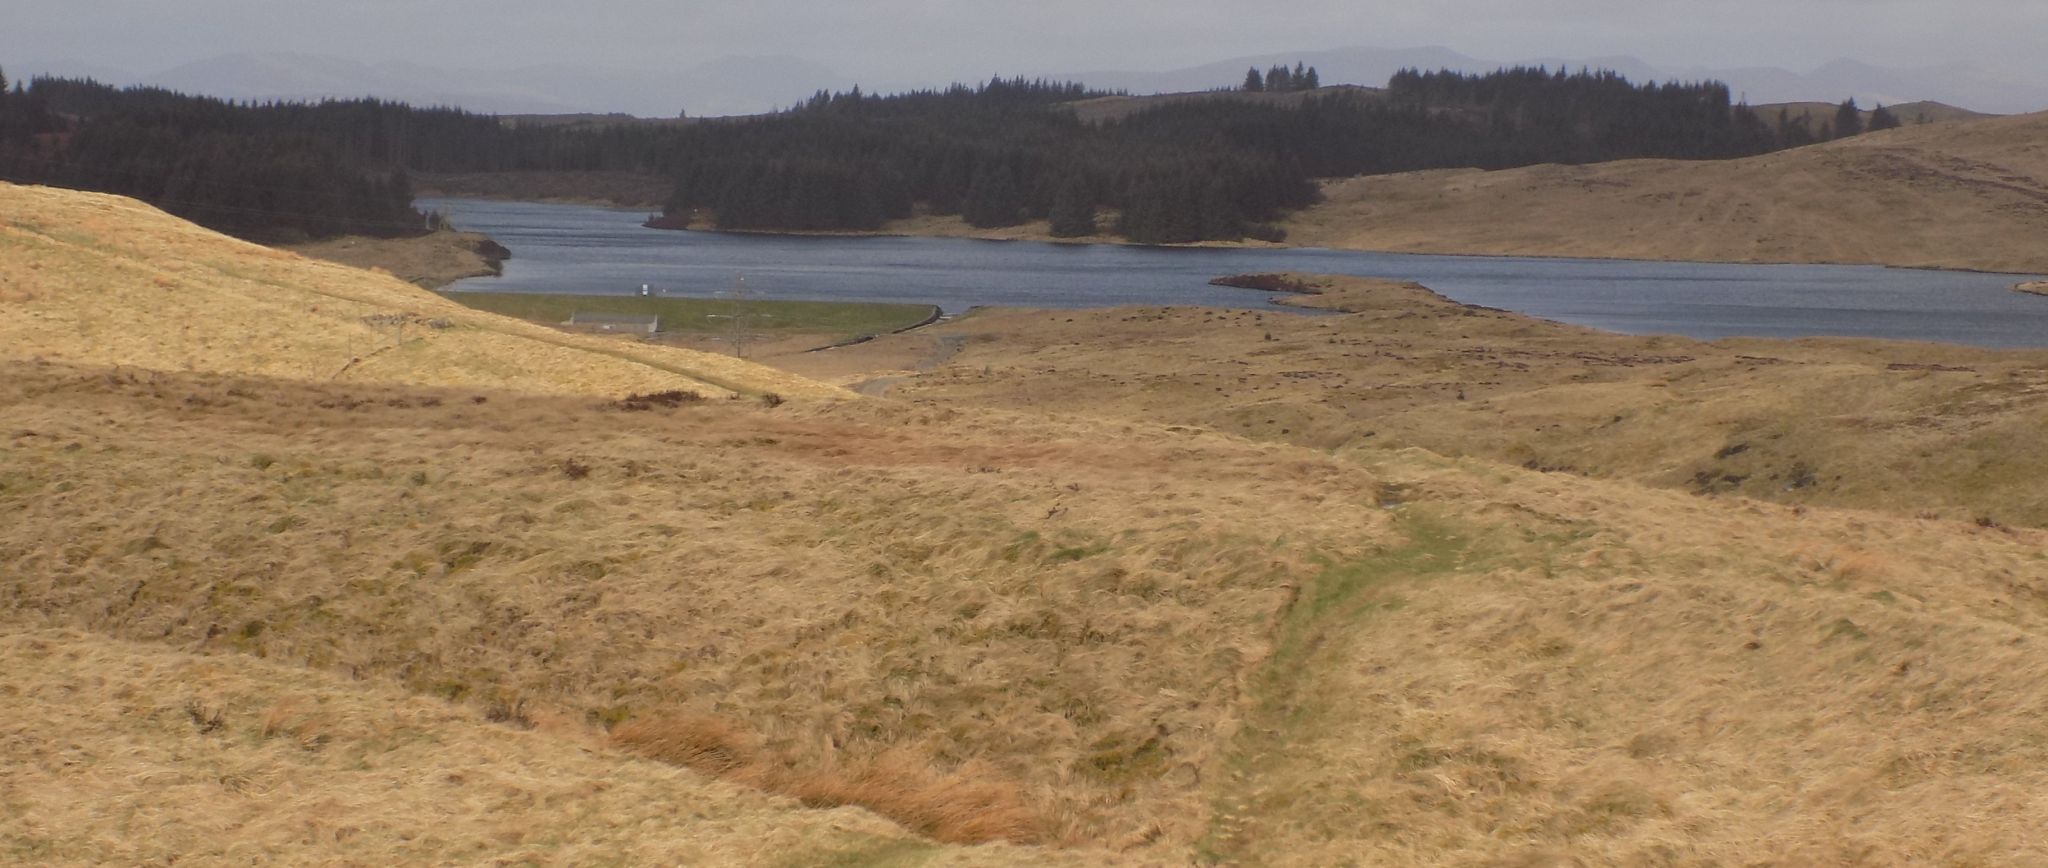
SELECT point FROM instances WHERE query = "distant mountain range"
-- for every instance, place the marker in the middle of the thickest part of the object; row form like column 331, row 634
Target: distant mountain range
column 726, row 86
column 748, row 85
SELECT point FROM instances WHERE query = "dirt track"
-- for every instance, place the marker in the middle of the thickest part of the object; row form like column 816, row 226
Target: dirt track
column 944, row 348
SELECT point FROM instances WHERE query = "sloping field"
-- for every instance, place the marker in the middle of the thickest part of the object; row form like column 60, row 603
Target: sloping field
column 1124, row 642
column 103, row 279
column 1908, row 113
column 119, row 752
column 1951, row 195
column 1120, row 587
column 1568, row 671
column 1910, row 428
column 1046, row 620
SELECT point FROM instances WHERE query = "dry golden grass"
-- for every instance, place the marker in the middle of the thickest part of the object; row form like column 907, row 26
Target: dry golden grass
column 1134, row 643
column 968, row 806
column 102, row 279
column 1565, row 670
column 1952, row 195
column 1025, row 607
column 250, row 618
column 1910, row 428
column 124, row 753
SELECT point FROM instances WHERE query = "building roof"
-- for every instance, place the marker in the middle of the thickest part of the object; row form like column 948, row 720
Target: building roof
column 614, row 319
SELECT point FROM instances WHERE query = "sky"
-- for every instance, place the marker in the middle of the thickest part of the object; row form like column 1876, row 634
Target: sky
column 936, row 40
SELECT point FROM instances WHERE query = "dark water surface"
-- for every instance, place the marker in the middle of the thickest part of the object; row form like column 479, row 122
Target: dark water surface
column 603, row 251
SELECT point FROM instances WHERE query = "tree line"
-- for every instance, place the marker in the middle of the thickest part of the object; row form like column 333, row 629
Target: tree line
column 240, row 169
column 1184, row 170
column 1280, row 79
column 1847, row 121
column 995, row 154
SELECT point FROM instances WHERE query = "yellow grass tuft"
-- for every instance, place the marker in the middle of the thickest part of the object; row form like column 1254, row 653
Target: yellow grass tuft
column 115, row 752
column 970, row 805
column 712, row 745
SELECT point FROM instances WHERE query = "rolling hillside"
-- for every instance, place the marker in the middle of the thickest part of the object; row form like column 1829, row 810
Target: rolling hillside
column 985, row 626
column 99, row 279
column 126, row 752
column 1952, row 195
column 1908, row 113
column 1915, row 429
column 1084, row 596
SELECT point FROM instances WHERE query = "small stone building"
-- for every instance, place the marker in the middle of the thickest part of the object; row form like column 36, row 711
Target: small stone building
column 615, row 323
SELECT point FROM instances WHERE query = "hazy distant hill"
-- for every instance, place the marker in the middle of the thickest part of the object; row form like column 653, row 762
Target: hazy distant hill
column 1367, row 66
column 750, row 85
column 732, row 85
column 1955, row 84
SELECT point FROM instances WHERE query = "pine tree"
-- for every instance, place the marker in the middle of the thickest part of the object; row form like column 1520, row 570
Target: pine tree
column 1848, row 119
column 992, row 200
column 1140, row 215
column 1253, row 82
column 1299, row 80
column 1220, row 220
column 1073, row 215
column 1883, row 119
column 1311, row 80
column 1279, row 80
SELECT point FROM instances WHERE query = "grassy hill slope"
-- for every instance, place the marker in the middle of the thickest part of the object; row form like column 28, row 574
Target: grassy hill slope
column 1909, row 113
column 1951, row 195
column 1043, row 621
column 102, row 279
column 122, row 752
column 1909, row 428
column 994, row 627
column 1115, row 587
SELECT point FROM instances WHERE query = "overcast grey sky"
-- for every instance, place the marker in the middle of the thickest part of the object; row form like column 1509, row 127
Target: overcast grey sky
column 934, row 39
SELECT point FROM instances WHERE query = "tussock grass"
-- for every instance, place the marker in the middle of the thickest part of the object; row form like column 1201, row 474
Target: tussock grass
column 989, row 627
column 251, row 619
column 1562, row 669
column 711, row 745
column 1909, row 428
column 122, row 752
column 984, row 626
column 969, row 805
